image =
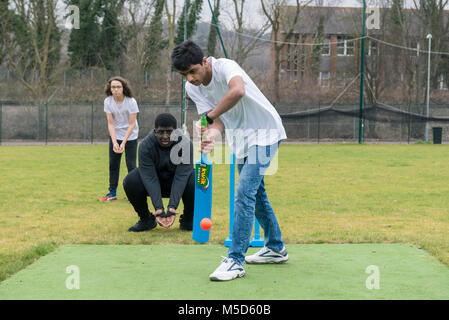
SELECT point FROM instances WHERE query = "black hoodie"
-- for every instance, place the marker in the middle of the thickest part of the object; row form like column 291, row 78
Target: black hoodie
column 156, row 168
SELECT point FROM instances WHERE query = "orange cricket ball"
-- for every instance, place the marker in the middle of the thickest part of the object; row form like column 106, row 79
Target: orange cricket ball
column 206, row 224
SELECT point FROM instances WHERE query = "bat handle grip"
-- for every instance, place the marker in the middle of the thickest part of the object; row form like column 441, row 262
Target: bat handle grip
column 203, row 124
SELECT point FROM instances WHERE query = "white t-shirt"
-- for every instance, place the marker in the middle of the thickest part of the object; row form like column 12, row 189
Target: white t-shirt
column 252, row 121
column 120, row 112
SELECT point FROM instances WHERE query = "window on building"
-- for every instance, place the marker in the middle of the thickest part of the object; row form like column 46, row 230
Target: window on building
column 345, row 47
column 372, row 48
column 442, row 84
column 326, row 48
column 340, row 46
column 324, row 79
column 349, row 47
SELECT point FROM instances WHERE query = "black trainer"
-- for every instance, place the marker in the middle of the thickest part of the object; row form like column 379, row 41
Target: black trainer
column 143, row 226
column 184, row 224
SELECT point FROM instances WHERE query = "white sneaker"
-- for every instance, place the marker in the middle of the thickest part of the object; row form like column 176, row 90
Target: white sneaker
column 228, row 270
column 266, row 255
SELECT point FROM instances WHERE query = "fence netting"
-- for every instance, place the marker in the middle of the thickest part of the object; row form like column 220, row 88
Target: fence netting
column 381, row 123
column 311, row 123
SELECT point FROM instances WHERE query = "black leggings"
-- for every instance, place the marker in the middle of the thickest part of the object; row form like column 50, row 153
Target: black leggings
column 115, row 158
column 137, row 194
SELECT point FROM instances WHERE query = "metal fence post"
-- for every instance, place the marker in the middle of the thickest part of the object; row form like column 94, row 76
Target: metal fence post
column 1, row 121
column 84, row 122
column 91, row 123
column 319, row 116
column 46, row 123
column 409, row 123
column 353, row 127
column 400, row 124
column 308, row 122
column 38, row 136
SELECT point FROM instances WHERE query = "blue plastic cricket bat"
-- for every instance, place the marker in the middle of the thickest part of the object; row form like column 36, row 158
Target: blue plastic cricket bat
column 203, row 195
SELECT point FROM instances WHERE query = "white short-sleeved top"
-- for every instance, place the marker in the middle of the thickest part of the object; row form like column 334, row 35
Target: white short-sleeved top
column 120, row 112
column 252, row 121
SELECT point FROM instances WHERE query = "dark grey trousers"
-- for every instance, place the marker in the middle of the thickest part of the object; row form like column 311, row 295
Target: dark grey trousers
column 115, row 158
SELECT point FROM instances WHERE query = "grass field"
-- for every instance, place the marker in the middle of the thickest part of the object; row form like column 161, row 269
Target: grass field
column 321, row 194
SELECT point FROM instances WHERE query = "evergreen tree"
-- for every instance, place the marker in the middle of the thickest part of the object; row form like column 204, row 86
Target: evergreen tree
column 397, row 15
column 193, row 14
column 153, row 38
column 4, row 18
column 212, row 40
column 111, row 43
column 180, row 24
column 83, row 44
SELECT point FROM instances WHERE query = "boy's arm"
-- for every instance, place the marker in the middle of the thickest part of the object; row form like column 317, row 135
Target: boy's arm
column 182, row 174
column 214, row 130
column 230, row 99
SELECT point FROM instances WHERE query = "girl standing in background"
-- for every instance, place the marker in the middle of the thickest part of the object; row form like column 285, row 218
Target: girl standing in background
column 121, row 112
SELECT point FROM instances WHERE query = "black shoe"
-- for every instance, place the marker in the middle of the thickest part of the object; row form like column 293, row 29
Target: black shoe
column 143, row 226
column 184, row 224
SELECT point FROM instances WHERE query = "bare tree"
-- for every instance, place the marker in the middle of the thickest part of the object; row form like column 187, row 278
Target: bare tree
column 399, row 26
column 34, row 51
column 383, row 67
column 433, row 17
column 247, row 36
column 171, row 20
column 375, row 61
column 280, row 20
column 138, row 14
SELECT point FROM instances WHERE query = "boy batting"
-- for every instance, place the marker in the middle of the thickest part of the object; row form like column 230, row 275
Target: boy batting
column 231, row 102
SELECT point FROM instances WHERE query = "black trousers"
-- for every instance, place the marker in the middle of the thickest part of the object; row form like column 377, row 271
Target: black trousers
column 137, row 195
column 115, row 158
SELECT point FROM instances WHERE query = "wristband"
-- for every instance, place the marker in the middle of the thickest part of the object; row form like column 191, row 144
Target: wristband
column 209, row 120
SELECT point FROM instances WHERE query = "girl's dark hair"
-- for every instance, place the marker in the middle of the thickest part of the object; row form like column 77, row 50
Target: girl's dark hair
column 186, row 54
column 165, row 120
column 126, row 87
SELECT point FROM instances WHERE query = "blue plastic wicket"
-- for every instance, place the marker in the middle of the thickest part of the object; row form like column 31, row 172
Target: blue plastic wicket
column 257, row 241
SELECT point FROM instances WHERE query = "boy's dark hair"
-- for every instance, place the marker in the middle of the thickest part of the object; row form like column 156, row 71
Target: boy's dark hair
column 186, row 54
column 165, row 120
column 127, row 91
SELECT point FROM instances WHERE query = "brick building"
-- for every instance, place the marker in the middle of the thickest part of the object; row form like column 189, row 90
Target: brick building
column 339, row 59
